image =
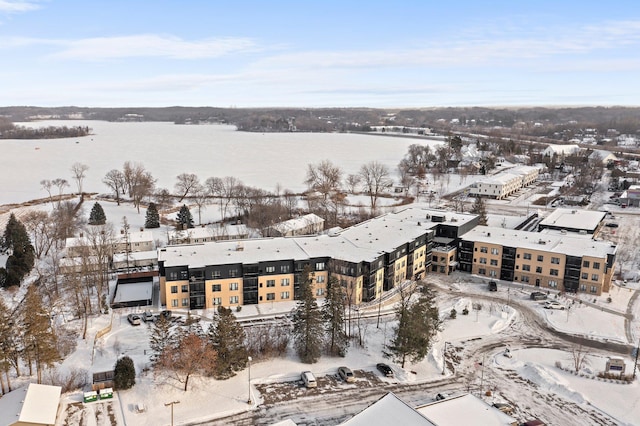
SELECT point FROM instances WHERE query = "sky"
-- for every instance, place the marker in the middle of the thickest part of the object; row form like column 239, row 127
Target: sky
column 330, row 53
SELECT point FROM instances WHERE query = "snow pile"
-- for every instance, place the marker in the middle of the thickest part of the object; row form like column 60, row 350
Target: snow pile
column 549, row 381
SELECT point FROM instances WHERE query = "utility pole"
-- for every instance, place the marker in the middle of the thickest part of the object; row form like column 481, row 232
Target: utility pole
column 171, row 404
column 482, row 377
column 635, row 363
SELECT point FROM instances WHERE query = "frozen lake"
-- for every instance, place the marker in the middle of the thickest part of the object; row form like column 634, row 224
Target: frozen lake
column 166, row 150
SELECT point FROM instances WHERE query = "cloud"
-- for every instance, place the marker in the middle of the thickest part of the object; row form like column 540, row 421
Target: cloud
column 17, row 6
column 151, row 45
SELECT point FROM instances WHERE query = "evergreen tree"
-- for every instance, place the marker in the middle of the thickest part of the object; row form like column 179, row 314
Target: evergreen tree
column 480, row 209
column 333, row 316
column 307, row 322
column 16, row 242
column 418, row 324
column 124, row 374
column 185, row 220
column 7, row 344
column 40, row 341
column 227, row 338
column 161, row 337
column 152, row 220
column 97, row 216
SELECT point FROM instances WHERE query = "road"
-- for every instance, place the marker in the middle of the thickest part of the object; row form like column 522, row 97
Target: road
column 530, row 330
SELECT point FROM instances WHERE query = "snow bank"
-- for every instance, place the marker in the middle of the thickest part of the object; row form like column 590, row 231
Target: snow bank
column 549, row 381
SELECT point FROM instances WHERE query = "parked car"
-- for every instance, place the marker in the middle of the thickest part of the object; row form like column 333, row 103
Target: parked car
column 134, row 319
column 505, row 408
column 309, row 379
column 441, row 396
column 346, row 374
column 507, row 353
column 552, row 304
column 493, row 286
column 538, row 295
column 148, row 316
column 611, row 225
column 384, row 369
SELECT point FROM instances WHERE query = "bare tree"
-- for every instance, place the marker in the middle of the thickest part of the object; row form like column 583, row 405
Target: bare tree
column 143, row 186
column 115, row 180
column 324, row 181
column 290, row 202
column 375, row 179
column 46, row 184
column 78, row 171
column 41, row 230
column 187, row 184
column 163, row 198
column 352, row 182
column 200, row 198
column 60, row 184
column 579, row 358
column 190, row 354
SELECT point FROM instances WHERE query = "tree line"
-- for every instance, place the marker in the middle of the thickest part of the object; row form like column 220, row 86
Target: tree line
column 9, row 130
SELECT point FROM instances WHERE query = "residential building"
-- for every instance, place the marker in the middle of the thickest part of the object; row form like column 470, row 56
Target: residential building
column 553, row 150
column 208, row 233
column 309, row 224
column 32, row 405
column 565, row 262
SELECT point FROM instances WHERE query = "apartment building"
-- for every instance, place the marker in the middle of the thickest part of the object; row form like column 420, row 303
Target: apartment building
column 565, row 262
column 366, row 260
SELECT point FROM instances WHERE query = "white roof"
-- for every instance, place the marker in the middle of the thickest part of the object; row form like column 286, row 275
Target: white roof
column 212, row 231
column 298, row 223
column 131, row 292
column 562, row 149
column 553, row 243
column 574, row 219
column 464, row 410
column 389, row 410
column 35, row 404
column 136, row 255
column 500, row 178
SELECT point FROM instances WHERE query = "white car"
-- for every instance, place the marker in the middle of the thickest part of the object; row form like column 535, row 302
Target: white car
column 552, row 304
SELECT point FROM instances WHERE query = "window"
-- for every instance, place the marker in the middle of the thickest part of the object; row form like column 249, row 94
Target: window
column 284, row 282
column 585, row 263
column 494, row 262
column 594, row 277
column 217, row 301
column 271, row 283
column 526, row 256
column 174, row 289
column 525, row 279
column 173, row 276
column 596, row 265
column 216, row 287
column 553, row 272
column 584, row 276
column 492, row 274
column 174, row 303
column 495, row 251
column 233, row 273
column 434, row 258
column 483, row 260
column 215, row 274
column 482, row 271
column 484, row 250
column 184, row 288
column 284, row 295
column 233, row 286
column 583, row 287
column 540, row 258
column 270, row 269
column 184, row 275
column 185, row 301
column 526, row 268
column 320, row 266
column 553, row 284
column 285, row 269
column 271, row 296
column 538, row 269
column 320, row 279
column 555, row 260
column 233, row 300
column 593, row 289
column 320, row 292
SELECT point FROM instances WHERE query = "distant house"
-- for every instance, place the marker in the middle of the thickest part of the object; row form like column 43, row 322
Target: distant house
column 33, row 405
column 209, row 233
column 605, row 157
column 309, row 224
column 560, row 150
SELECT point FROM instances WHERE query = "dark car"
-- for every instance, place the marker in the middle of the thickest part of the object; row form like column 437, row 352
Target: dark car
column 538, row 295
column 441, row 396
column 385, row 369
column 611, row 225
column 493, row 286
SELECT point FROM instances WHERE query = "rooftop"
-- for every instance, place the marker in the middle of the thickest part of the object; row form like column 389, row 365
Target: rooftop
column 574, row 219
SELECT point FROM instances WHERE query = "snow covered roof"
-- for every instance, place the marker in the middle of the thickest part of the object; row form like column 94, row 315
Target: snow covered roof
column 500, row 178
column 553, row 149
column 464, row 410
column 388, row 410
column 133, row 292
column 573, row 219
column 298, row 223
column 136, row 255
column 36, row 404
column 562, row 244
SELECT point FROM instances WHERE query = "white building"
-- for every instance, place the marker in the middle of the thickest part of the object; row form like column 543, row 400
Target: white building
column 498, row 186
column 209, row 233
column 33, row 405
column 560, row 150
column 309, row 224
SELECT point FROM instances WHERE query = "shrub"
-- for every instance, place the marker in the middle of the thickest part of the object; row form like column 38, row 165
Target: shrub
column 465, row 311
column 124, row 374
column 453, row 313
